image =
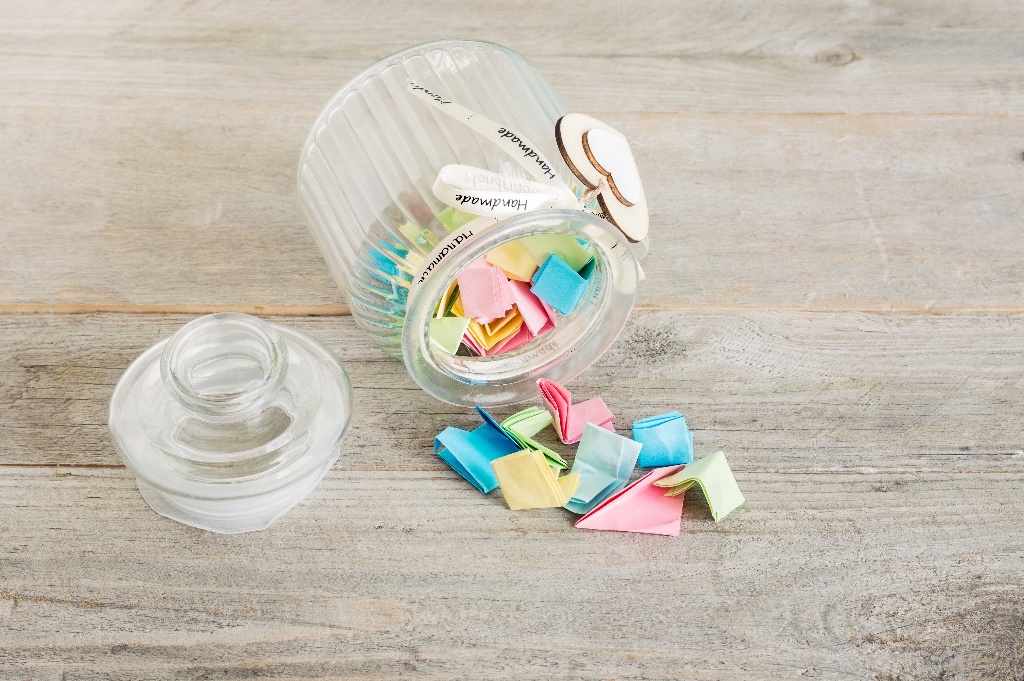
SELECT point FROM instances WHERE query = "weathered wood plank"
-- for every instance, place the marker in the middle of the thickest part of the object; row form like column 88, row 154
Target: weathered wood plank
column 409, row 574
column 781, row 391
column 816, row 212
column 786, row 56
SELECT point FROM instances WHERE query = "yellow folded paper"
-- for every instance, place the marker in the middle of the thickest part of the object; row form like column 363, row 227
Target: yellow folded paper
column 445, row 302
column 514, row 261
column 527, row 481
column 488, row 340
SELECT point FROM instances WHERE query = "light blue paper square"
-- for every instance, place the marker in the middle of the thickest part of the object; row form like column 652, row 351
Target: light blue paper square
column 558, row 285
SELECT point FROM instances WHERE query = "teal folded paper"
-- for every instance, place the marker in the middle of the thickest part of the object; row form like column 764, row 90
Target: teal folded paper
column 604, row 460
column 666, row 440
column 558, row 285
column 470, row 453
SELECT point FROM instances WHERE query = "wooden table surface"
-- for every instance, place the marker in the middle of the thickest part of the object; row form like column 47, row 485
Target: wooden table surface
column 834, row 299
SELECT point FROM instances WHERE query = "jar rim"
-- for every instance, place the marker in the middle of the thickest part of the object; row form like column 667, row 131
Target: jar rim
column 562, row 354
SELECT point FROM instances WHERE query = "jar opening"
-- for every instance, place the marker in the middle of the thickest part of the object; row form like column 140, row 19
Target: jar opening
column 223, row 363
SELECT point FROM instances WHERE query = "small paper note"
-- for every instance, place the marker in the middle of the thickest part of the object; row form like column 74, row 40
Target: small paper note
column 567, row 248
column 528, row 482
column 666, row 440
column 714, row 476
column 535, row 312
column 521, row 338
column 604, row 460
column 470, row 452
column 558, row 285
column 523, row 425
column 484, row 292
column 571, row 418
column 447, row 332
column 513, row 260
column 640, row 507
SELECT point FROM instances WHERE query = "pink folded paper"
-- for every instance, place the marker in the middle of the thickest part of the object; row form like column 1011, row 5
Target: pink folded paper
column 537, row 314
column 571, row 418
column 485, row 293
column 640, row 507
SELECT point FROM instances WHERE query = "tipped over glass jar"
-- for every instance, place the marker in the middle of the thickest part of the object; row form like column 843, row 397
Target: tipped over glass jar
column 435, row 157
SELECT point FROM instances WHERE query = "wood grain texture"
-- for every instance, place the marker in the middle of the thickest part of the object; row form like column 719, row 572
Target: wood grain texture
column 834, row 298
column 804, row 212
column 783, row 391
column 416, row 575
column 150, row 152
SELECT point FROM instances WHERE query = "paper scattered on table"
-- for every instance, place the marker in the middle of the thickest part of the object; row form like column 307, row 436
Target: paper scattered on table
column 714, row 476
column 604, row 460
column 666, row 440
column 571, row 418
column 528, row 482
column 523, row 425
column 470, row 453
column 640, row 507
column 558, row 285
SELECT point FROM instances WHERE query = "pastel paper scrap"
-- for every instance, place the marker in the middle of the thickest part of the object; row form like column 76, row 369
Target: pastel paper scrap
column 488, row 340
column 470, row 452
column 527, row 481
column 587, row 271
column 569, row 250
column 521, row 338
column 453, row 218
column 484, row 292
column 604, row 460
column 535, row 313
column 447, row 332
column 559, row 285
column 447, row 299
column 495, row 326
column 714, row 476
column 666, row 440
column 513, row 260
column 570, row 418
column 523, row 425
column 470, row 342
column 640, row 507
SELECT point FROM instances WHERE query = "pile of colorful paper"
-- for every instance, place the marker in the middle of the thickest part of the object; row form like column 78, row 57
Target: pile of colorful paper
column 509, row 297
column 508, row 455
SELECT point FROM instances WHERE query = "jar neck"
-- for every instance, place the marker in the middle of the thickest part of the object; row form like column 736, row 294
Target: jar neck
column 224, row 365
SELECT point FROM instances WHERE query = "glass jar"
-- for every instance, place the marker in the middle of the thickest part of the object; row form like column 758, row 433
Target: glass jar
column 231, row 421
column 365, row 184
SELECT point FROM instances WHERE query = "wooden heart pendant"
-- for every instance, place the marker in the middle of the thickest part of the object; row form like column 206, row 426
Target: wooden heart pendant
column 600, row 157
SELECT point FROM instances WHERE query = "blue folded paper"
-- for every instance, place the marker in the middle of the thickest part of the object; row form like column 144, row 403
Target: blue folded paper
column 470, row 453
column 604, row 460
column 666, row 440
column 559, row 285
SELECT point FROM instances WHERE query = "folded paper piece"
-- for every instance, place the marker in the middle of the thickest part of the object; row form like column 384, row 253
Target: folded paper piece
column 714, row 476
column 567, row 248
column 513, row 260
column 666, row 440
column 528, row 482
column 523, row 425
column 558, row 285
column 571, row 418
column 447, row 332
column 604, row 460
column 640, row 507
column 484, row 292
column 537, row 314
column 471, row 453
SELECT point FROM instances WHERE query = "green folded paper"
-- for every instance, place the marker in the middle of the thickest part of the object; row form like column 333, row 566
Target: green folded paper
column 714, row 476
column 522, row 426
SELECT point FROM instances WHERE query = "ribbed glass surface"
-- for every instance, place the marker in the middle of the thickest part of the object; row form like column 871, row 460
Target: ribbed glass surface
column 370, row 161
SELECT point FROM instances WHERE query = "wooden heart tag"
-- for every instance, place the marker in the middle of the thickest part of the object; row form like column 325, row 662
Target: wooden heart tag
column 600, row 157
